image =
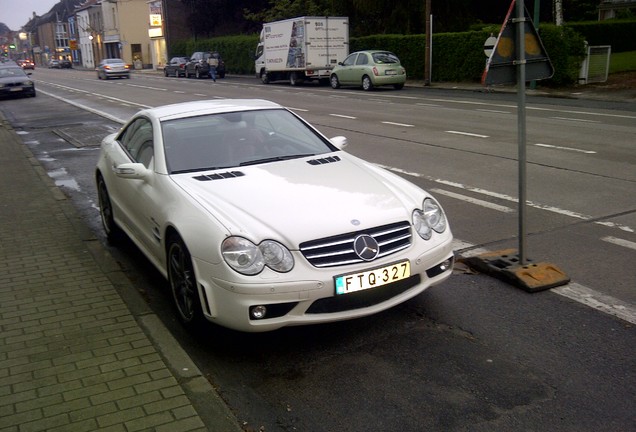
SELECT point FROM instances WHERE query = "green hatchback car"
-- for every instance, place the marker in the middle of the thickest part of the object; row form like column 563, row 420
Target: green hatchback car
column 369, row 69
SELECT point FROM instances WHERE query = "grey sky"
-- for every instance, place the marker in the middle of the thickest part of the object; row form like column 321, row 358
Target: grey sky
column 16, row 13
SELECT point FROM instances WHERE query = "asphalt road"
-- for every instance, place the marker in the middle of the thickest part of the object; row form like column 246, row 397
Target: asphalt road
column 472, row 354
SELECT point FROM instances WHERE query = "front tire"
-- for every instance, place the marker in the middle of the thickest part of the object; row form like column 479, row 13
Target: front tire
column 265, row 78
column 113, row 232
column 183, row 284
column 367, row 85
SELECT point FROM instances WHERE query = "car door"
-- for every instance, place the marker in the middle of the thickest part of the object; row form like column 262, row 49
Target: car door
column 137, row 199
column 347, row 74
column 360, row 68
column 173, row 67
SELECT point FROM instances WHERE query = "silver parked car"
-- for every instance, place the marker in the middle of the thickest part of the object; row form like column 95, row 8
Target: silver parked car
column 112, row 68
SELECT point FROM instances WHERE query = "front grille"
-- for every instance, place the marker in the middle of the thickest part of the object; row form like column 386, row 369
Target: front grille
column 338, row 250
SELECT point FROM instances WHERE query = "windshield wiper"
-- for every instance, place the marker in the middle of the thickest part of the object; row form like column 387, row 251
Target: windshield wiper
column 275, row 159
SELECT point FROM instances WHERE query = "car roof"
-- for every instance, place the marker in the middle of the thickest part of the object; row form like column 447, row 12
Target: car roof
column 216, row 106
column 373, row 51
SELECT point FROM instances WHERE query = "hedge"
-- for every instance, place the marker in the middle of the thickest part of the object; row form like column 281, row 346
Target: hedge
column 456, row 57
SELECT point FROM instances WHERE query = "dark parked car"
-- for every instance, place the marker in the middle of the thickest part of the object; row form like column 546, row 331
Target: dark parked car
column 15, row 82
column 198, row 66
column 176, row 67
column 66, row 64
column 112, row 68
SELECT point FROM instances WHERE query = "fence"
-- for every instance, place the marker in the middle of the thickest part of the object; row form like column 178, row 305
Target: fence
column 595, row 67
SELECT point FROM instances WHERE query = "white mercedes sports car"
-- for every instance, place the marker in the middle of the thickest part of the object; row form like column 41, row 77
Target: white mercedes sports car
column 258, row 221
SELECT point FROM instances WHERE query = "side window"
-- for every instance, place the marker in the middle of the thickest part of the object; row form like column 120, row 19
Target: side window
column 349, row 61
column 137, row 141
column 362, row 59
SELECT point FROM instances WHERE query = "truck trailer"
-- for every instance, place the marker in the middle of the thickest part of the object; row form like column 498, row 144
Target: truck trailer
column 301, row 49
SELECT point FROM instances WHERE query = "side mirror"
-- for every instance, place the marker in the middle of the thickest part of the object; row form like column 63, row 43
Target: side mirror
column 135, row 171
column 339, row 141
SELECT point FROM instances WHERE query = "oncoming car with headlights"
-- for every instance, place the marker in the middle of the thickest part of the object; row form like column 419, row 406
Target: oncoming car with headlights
column 258, row 221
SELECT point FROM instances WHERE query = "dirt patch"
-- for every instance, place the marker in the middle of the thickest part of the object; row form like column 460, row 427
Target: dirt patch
column 618, row 81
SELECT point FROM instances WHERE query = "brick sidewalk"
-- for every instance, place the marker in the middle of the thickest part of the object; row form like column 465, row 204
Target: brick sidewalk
column 72, row 356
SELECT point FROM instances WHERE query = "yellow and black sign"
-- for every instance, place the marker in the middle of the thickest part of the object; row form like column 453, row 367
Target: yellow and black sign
column 502, row 63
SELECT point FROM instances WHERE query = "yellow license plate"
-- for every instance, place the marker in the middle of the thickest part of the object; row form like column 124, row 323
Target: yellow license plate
column 353, row 282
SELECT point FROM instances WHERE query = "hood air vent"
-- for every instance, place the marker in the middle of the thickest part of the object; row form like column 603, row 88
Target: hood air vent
column 323, row 161
column 219, row 176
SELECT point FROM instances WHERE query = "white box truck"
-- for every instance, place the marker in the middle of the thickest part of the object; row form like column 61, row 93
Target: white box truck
column 301, row 49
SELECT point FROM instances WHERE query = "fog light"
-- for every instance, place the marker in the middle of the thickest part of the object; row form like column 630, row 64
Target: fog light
column 445, row 265
column 258, row 312
column 440, row 268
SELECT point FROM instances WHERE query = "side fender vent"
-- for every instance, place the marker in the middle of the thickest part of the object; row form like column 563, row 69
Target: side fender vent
column 323, row 161
column 219, row 176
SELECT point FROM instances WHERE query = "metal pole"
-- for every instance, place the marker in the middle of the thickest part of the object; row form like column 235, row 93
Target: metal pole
column 537, row 4
column 521, row 126
column 427, row 48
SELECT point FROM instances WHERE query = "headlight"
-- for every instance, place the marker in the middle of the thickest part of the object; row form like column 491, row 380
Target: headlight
column 430, row 218
column 247, row 258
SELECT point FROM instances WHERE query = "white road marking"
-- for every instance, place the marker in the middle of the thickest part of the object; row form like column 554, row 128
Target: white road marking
column 471, row 200
column 343, row 116
column 458, row 245
column 298, row 109
column 576, row 119
column 565, row 148
column 574, row 291
column 467, row 134
column 620, row 242
column 530, row 108
column 493, row 111
column 598, row 301
column 545, row 207
column 398, row 124
column 84, row 107
column 147, row 87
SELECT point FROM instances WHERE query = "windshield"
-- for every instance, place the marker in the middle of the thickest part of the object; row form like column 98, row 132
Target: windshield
column 237, row 139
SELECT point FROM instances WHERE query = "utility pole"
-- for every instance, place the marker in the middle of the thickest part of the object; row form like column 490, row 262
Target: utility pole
column 558, row 12
column 427, row 49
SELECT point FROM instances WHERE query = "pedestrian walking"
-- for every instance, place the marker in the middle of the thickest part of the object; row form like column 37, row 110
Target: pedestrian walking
column 213, row 62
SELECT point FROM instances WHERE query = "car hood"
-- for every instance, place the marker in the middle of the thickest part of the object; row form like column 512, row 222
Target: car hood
column 297, row 200
column 15, row 79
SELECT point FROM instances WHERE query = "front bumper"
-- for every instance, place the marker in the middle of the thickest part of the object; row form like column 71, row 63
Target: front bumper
column 312, row 299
